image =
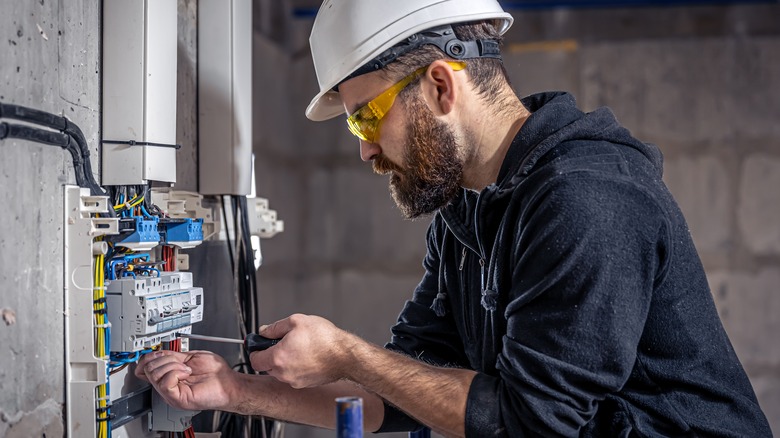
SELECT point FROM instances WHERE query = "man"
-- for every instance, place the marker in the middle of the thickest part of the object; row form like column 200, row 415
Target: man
column 562, row 293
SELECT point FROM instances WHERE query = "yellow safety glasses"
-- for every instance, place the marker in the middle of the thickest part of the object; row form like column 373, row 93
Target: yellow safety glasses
column 365, row 122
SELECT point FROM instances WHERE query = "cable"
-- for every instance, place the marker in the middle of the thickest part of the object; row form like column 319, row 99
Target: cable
column 51, row 138
column 102, row 347
column 245, row 294
column 63, row 125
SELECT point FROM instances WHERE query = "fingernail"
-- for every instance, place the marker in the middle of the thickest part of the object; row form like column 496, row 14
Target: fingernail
column 189, row 370
column 263, row 327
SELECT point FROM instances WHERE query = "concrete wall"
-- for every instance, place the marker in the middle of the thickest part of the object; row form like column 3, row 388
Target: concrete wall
column 702, row 83
column 48, row 60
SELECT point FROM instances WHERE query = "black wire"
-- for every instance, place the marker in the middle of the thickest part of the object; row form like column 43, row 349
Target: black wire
column 242, row 264
column 82, row 164
column 227, row 235
column 51, row 138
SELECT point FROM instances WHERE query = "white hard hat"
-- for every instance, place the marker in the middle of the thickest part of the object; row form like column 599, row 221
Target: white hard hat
column 347, row 34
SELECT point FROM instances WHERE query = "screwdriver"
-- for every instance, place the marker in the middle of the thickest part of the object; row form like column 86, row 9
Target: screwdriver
column 253, row 341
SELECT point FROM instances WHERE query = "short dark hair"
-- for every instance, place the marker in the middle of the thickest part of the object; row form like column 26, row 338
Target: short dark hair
column 487, row 74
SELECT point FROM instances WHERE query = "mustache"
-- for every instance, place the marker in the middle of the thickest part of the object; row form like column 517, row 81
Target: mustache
column 383, row 166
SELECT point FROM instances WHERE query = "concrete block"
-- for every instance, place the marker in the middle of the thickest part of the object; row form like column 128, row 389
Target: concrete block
column 755, row 87
column 759, row 203
column 703, row 189
column 368, row 302
column 681, row 91
column 543, row 66
column 271, row 71
column 282, row 295
column 283, row 87
column 284, row 185
column 364, row 224
column 748, row 304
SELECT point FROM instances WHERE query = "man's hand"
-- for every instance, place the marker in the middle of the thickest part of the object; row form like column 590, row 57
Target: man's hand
column 312, row 351
column 196, row 380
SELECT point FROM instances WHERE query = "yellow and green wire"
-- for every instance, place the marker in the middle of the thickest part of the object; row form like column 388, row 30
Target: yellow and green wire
column 102, row 337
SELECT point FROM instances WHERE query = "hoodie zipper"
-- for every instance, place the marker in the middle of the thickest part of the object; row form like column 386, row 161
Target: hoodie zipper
column 471, row 304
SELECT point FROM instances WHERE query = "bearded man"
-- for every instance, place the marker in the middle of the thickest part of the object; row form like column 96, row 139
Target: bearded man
column 562, row 293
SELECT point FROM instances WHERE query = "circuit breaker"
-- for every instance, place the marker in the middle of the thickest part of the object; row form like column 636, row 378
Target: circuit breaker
column 144, row 312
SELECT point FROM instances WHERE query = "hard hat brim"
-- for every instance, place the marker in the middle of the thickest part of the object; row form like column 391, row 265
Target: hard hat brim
column 325, row 106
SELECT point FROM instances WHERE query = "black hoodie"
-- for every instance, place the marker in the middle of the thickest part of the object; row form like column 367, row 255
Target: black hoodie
column 574, row 289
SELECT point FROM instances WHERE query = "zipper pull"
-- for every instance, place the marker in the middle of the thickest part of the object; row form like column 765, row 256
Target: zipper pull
column 462, row 259
column 482, row 273
column 489, row 296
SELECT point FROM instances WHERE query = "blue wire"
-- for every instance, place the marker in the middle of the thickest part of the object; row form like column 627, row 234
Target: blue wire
column 145, row 212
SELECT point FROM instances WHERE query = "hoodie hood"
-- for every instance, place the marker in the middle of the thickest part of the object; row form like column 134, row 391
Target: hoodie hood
column 554, row 119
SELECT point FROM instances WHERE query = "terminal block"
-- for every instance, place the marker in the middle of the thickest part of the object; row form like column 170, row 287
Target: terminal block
column 139, row 233
column 146, row 311
column 181, row 232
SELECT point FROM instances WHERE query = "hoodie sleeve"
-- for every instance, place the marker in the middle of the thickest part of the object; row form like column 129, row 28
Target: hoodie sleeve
column 586, row 258
column 419, row 332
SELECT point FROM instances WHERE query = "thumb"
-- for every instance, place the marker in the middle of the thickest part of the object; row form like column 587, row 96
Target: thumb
column 276, row 330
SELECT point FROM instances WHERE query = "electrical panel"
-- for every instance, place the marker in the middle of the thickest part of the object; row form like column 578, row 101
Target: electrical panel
column 126, row 296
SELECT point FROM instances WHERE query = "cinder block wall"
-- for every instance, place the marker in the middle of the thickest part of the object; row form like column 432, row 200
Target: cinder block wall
column 702, row 83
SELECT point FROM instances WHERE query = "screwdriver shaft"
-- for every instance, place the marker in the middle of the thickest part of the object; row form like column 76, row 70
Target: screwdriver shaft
column 211, row 338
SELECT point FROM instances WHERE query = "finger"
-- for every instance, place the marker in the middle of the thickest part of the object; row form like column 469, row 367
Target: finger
column 157, row 369
column 278, row 329
column 261, row 361
column 146, row 359
column 169, row 389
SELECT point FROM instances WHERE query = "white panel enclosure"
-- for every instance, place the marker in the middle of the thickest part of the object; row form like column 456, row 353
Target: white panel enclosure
column 225, row 97
column 139, row 91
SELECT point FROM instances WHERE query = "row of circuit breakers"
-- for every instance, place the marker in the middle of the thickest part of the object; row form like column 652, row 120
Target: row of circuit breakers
column 146, row 301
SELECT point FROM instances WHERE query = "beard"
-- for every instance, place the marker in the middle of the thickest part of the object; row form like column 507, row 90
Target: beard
column 433, row 170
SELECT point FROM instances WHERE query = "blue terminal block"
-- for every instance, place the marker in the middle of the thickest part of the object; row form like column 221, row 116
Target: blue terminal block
column 143, row 233
column 182, row 232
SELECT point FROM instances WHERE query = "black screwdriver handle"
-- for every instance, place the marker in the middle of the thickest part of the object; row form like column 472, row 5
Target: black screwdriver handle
column 255, row 342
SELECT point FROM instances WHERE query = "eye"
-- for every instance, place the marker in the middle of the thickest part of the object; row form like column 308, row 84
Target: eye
column 365, row 114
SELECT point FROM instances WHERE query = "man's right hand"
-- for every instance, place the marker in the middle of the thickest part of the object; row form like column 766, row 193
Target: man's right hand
column 196, row 380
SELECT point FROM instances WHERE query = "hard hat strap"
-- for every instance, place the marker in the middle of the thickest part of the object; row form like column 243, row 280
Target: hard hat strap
column 442, row 37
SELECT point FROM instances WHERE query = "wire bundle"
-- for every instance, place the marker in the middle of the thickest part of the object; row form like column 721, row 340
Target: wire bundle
column 133, row 201
column 245, row 294
column 175, row 345
column 102, row 347
column 168, row 255
column 68, row 137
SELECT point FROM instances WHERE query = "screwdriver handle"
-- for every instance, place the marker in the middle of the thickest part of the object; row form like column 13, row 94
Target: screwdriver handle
column 255, row 342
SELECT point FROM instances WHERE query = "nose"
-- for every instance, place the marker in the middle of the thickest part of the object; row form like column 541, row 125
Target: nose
column 368, row 150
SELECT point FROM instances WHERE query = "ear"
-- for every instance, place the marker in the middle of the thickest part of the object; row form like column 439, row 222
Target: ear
column 440, row 88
